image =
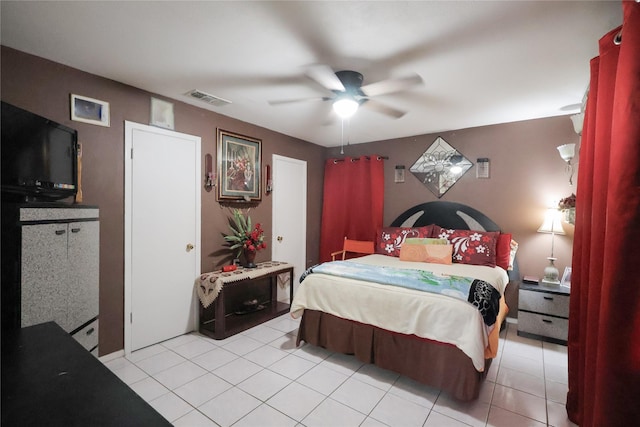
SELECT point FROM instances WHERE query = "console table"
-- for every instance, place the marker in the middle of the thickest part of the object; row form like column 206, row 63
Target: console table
column 229, row 314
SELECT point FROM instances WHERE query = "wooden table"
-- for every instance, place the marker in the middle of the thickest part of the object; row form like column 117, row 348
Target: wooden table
column 228, row 316
column 49, row 379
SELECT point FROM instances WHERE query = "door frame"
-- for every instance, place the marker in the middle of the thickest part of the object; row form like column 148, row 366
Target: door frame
column 128, row 146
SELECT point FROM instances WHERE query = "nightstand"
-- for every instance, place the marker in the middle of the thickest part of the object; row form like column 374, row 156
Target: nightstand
column 543, row 312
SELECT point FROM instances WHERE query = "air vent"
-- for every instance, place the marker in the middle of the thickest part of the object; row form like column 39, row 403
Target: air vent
column 208, row 98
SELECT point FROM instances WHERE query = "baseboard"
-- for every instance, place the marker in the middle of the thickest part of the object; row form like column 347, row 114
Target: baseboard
column 107, row 357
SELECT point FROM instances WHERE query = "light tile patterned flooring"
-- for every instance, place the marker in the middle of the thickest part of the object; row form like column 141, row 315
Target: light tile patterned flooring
column 259, row 378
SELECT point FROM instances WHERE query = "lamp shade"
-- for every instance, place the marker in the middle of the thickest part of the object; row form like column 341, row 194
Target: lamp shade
column 552, row 222
column 567, row 152
column 345, row 106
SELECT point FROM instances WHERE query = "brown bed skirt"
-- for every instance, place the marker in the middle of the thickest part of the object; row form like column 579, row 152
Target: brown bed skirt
column 433, row 363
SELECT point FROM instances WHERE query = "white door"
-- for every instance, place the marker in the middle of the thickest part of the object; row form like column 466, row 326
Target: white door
column 289, row 216
column 162, row 234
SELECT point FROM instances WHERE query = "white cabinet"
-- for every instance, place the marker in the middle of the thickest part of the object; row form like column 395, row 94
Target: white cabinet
column 43, row 279
column 84, row 270
column 57, row 269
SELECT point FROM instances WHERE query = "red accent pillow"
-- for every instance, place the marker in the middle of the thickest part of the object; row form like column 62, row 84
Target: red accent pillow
column 390, row 239
column 470, row 246
column 503, row 250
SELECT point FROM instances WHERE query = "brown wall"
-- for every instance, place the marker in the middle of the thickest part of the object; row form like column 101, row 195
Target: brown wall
column 43, row 87
column 526, row 171
column 526, row 174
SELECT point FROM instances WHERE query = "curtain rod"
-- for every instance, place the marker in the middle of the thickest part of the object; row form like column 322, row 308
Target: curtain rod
column 355, row 159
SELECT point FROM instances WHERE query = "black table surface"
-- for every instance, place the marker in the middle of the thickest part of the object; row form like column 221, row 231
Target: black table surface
column 49, row 379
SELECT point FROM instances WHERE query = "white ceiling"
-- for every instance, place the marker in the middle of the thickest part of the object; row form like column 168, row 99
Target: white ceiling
column 482, row 62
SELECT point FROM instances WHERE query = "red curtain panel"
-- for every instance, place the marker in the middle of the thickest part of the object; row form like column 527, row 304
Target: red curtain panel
column 604, row 320
column 353, row 201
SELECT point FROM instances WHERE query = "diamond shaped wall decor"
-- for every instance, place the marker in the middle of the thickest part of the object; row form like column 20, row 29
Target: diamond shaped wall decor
column 440, row 167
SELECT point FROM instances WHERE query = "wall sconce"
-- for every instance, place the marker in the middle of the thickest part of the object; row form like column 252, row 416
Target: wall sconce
column 578, row 121
column 399, row 173
column 209, row 175
column 482, row 167
column 568, row 152
column 268, row 188
column 551, row 225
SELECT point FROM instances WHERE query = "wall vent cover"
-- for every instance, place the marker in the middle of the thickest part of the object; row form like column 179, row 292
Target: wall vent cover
column 208, row 98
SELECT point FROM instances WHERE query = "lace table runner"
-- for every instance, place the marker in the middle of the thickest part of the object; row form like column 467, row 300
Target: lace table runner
column 209, row 285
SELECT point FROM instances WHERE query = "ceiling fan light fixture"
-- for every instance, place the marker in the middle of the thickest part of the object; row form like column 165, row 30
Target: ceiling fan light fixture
column 345, row 106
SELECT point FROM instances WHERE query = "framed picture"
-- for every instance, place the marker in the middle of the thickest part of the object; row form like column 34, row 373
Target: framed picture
column 89, row 110
column 161, row 113
column 239, row 167
column 566, row 278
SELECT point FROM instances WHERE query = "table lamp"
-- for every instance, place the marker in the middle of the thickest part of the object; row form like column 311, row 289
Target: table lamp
column 553, row 225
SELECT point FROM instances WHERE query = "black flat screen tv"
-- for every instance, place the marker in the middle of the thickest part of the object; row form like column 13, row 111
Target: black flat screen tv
column 39, row 157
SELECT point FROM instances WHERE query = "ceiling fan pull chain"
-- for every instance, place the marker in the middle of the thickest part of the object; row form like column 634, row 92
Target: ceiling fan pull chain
column 342, row 136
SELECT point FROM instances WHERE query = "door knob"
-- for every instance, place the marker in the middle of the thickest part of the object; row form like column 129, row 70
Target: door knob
column 190, row 247
column 279, row 238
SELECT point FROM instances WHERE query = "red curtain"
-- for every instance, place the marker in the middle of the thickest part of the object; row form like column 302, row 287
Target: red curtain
column 604, row 319
column 353, row 202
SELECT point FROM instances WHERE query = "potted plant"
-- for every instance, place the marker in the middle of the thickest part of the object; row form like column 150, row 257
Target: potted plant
column 245, row 238
column 568, row 208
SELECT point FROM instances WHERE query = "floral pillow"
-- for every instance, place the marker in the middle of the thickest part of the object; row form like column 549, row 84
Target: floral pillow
column 470, row 246
column 390, row 239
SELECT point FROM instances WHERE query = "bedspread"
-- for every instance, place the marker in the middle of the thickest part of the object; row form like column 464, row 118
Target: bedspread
column 477, row 292
column 407, row 311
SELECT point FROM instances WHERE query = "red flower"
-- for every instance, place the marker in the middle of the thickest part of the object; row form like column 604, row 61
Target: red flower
column 243, row 237
column 568, row 202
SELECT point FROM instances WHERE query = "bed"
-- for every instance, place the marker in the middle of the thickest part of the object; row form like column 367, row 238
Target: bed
column 432, row 338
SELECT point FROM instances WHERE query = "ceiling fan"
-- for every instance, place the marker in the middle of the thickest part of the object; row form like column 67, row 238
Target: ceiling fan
column 349, row 93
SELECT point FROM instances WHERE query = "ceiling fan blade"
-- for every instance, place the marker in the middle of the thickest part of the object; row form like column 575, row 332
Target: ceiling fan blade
column 324, row 75
column 292, row 101
column 384, row 109
column 391, row 85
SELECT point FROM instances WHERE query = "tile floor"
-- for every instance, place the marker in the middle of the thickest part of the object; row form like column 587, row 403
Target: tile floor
column 259, row 378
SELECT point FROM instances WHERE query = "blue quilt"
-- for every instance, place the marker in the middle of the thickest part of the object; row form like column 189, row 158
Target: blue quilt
column 477, row 292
